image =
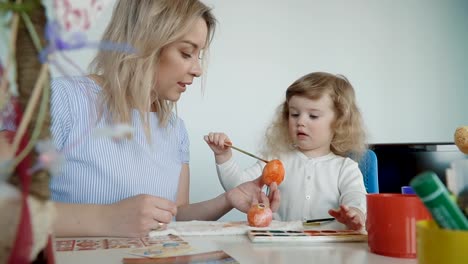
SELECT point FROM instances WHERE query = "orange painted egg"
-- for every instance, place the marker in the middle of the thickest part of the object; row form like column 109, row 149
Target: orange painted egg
column 273, row 172
column 259, row 215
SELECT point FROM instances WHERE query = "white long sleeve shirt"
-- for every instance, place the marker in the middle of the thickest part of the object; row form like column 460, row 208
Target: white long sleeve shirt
column 311, row 186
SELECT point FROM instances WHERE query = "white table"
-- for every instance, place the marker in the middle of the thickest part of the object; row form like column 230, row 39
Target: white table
column 240, row 248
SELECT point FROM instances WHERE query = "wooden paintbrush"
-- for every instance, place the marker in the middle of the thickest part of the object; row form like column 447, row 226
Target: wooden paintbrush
column 229, row 144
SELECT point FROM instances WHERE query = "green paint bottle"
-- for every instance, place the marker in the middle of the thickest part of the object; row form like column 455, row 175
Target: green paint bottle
column 436, row 198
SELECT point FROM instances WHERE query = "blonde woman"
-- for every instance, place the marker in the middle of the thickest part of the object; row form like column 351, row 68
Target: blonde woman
column 316, row 128
column 131, row 185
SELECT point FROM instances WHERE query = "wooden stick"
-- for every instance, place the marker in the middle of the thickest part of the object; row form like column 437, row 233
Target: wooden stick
column 245, row 152
column 30, row 107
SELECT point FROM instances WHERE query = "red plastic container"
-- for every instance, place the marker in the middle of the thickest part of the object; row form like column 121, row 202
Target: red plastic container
column 391, row 223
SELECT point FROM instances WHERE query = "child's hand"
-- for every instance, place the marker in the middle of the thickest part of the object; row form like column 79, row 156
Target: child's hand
column 217, row 142
column 352, row 217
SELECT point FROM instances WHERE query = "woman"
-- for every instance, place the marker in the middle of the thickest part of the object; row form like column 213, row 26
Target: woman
column 131, row 185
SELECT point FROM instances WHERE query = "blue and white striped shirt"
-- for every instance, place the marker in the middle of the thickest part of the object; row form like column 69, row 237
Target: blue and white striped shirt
column 100, row 170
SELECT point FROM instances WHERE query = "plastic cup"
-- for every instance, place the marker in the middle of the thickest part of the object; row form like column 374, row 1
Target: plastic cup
column 436, row 245
column 391, row 223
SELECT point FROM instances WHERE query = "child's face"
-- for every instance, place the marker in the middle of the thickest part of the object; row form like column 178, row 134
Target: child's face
column 179, row 62
column 309, row 124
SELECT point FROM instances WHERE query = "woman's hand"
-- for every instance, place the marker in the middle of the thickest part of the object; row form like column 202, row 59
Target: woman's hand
column 352, row 217
column 243, row 196
column 138, row 215
column 217, row 142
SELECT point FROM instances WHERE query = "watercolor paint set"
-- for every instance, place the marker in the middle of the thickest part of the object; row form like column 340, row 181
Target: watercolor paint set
column 268, row 236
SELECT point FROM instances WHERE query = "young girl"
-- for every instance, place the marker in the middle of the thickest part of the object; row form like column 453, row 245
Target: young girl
column 317, row 127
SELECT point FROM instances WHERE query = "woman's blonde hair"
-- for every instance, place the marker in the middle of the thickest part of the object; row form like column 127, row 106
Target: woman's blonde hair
column 148, row 26
column 349, row 135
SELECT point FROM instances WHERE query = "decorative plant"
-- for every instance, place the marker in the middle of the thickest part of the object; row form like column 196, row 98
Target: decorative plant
column 30, row 211
column 27, row 155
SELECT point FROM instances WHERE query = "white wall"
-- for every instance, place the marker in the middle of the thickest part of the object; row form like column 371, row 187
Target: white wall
column 407, row 59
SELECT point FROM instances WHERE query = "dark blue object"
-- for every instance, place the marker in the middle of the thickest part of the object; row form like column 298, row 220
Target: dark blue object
column 407, row 190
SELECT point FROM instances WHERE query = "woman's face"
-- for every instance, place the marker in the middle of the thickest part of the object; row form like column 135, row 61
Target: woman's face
column 180, row 62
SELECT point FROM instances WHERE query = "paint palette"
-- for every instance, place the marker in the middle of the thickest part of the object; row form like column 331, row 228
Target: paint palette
column 268, row 236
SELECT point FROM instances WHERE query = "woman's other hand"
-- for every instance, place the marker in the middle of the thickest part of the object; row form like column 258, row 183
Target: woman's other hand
column 243, row 196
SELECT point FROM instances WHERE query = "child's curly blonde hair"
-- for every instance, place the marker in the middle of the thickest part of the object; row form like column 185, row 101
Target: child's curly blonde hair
column 349, row 135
